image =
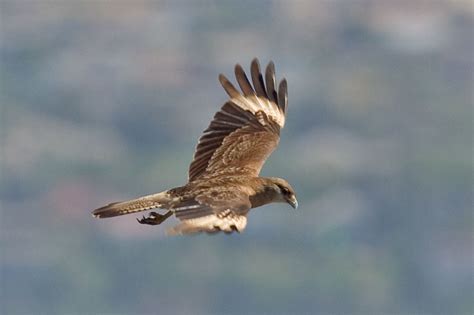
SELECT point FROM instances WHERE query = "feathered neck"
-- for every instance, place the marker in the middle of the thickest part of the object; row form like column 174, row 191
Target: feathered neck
column 265, row 193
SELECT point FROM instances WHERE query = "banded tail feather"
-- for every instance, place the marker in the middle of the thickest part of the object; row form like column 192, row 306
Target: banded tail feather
column 144, row 203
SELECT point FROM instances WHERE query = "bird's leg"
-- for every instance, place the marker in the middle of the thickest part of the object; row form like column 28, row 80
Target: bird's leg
column 155, row 218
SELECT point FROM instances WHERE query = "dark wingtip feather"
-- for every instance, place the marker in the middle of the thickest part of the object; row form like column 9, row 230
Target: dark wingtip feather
column 271, row 68
column 228, row 87
column 257, row 78
column 270, row 81
column 283, row 95
column 243, row 81
column 222, row 79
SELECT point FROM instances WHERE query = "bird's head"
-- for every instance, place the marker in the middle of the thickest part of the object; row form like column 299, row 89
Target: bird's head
column 284, row 191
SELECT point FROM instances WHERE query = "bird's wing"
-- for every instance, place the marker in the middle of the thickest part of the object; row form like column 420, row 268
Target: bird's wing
column 246, row 130
column 212, row 210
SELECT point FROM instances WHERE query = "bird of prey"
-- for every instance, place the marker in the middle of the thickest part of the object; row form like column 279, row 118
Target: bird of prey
column 223, row 182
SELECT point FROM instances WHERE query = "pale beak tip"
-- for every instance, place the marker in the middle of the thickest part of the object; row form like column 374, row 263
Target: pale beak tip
column 294, row 203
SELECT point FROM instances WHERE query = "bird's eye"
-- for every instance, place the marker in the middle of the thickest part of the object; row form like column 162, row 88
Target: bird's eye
column 285, row 190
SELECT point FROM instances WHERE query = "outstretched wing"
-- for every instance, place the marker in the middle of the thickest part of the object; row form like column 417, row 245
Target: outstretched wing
column 246, row 130
column 213, row 210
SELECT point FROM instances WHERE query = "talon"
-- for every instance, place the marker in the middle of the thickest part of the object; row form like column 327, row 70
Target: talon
column 154, row 218
column 142, row 220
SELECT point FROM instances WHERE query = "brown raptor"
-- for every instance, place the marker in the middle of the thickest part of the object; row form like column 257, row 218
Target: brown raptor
column 223, row 183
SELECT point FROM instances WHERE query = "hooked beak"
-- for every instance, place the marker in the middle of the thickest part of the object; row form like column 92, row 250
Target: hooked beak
column 293, row 202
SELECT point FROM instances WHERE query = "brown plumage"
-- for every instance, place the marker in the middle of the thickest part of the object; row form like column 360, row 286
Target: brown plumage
column 223, row 183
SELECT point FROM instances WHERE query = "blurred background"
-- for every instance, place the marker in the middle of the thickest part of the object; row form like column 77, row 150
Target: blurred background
column 105, row 100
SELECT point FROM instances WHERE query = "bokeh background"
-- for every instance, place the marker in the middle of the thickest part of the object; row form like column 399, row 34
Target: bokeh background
column 105, row 100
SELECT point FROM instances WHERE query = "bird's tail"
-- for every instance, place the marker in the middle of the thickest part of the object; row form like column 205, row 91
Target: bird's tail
column 160, row 200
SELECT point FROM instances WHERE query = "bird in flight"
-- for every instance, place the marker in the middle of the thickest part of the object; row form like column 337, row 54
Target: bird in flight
column 223, row 182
